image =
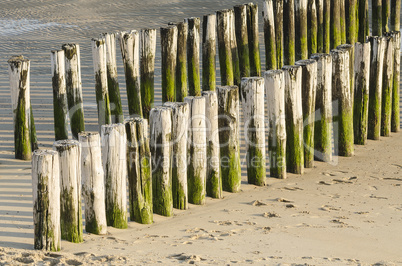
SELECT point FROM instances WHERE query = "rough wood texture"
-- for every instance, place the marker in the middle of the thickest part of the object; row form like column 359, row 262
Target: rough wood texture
column 224, row 48
column 253, row 40
column 289, row 32
column 351, row 50
column 254, row 110
column 278, row 17
column 301, row 30
column 70, row 189
column 74, row 88
column 395, row 15
column 168, row 53
column 139, row 171
column 386, row 15
column 208, row 53
column 376, row 17
column 228, row 121
column 93, row 185
column 269, row 36
column 46, row 200
column 233, row 45
column 327, row 27
column 193, row 56
column 363, row 20
column 240, row 13
column 395, row 116
column 181, row 65
column 115, row 167
column 387, row 87
column 320, row 25
column 342, row 21
column 351, row 9
column 335, row 24
column 312, row 27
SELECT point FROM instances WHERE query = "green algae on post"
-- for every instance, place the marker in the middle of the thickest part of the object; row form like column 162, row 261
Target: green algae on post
column 363, row 21
column 386, row 15
column 376, row 17
column 269, row 36
column 240, row 13
column 335, row 24
column 395, row 15
column 387, row 86
column 168, row 54
column 181, row 65
column 253, row 40
column 209, row 52
column 342, row 21
column 395, row 127
column 193, row 56
column 278, row 17
column 233, row 46
column 312, row 28
column 327, row 27
column 301, row 45
column 350, row 14
column 289, row 32
column 224, row 47
column 320, row 25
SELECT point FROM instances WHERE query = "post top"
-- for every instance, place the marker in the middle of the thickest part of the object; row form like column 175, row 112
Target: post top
column 16, row 59
column 46, row 152
column 306, row 62
column 273, row 72
column 289, row 67
column 345, row 46
column 317, row 56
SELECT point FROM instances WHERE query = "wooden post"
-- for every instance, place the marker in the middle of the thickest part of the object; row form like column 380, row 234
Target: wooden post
column 18, row 71
column 253, row 40
column 60, row 106
column 224, row 48
column 309, row 91
column 376, row 7
column 375, row 90
column 323, row 109
column 116, row 109
column 289, row 32
column 160, row 119
column 395, row 15
column 301, row 29
column 240, row 13
column 253, row 108
column 386, row 15
column 70, row 189
column 34, row 139
column 139, row 170
column 351, row 50
column 233, row 45
column 395, row 124
column 275, row 88
column 294, row 119
column 193, row 56
column 327, row 27
column 387, row 87
column 101, row 85
column 364, row 27
column 169, row 52
column 342, row 104
column 147, row 68
column 214, row 177
column 361, row 101
column 181, row 65
column 180, row 120
column 208, row 52
column 46, row 200
column 228, row 121
column 350, row 14
column 342, row 20
column 320, row 25
column 335, row 23
column 278, row 17
column 312, row 27
column 269, row 36
column 74, row 88
column 115, row 167
column 93, row 184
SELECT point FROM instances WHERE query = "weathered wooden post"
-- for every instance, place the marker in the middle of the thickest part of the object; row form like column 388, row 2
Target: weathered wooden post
column 70, row 189
column 46, row 200
column 327, row 27
column 130, row 53
column 342, row 20
column 320, row 25
column 253, row 40
column 160, row 119
column 139, row 170
column 294, row 119
column 342, row 104
column 116, row 109
column 361, row 87
column 93, row 184
column 351, row 8
column 269, row 36
column 224, row 48
column 395, row 125
column 275, row 89
column 193, row 56
column 169, row 52
column 240, row 13
column 208, row 52
column 214, row 177
column 181, row 65
column 147, row 68
column 228, row 121
column 60, row 106
column 197, row 151
column 351, row 50
column 180, row 120
column 278, row 17
column 386, row 15
column 253, row 108
column 312, row 27
column 363, row 19
column 233, row 45
column 115, row 167
column 387, row 87
column 323, row 108
column 74, row 88
column 309, row 91
column 289, row 32
column 395, row 15
column 301, row 30
column 376, row 7
column 335, row 23
column 375, row 90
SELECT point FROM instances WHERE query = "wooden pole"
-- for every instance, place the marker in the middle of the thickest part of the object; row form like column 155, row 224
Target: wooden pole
column 386, row 15
column 34, row 139
column 312, row 27
column 181, row 65
column 253, row 40
column 395, row 15
column 323, row 109
column 115, row 167
column 130, row 53
column 214, row 177
column 342, row 11
column 180, row 120
column 309, row 91
column 209, row 52
column 228, row 121
column 320, row 25
column 116, row 109
column 361, row 101
column 74, row 88
column 240, row 13
column 342, row 104
column 18, row 71
column 395, row 124
column 60, row 106
column 193, row 56
column 275, row 87
column 168, row 53
column 224, row 48
column 278, row 17
column 139, row 170
column 387, row 86
column 375, row 90
column 351, row 50
column 350, row 14
column 376, row 7
column 335, row 23
column 70, row 189
column 289, row 32
column 269, row 36
column 327, row 27
column 93, row 185
column 294, row 119
column 364, row 27
column 233, row 45
column 253, row 108
column 46, row 200
column 301, row 31
column 160, row 120
column 147, row 69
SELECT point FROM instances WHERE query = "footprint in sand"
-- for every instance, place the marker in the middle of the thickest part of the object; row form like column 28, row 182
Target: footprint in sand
column 258, row 203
